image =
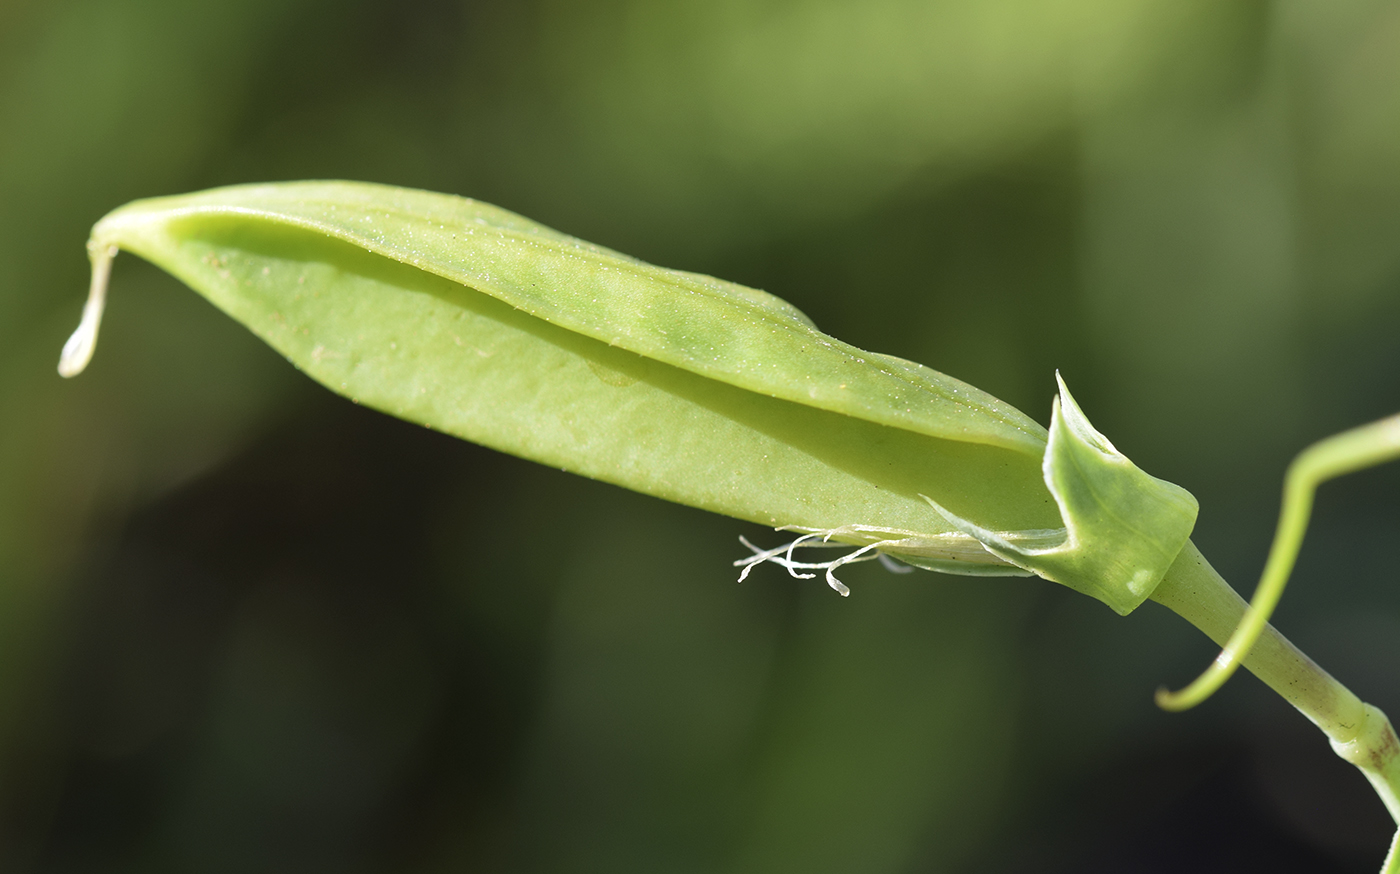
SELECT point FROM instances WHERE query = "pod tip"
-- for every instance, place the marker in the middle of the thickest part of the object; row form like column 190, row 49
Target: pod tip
column 77, row 352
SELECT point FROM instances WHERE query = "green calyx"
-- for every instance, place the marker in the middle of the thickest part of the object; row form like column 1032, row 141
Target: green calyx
column 1123, row 527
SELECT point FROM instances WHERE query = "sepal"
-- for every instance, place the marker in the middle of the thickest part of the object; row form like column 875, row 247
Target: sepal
column 1123, row 527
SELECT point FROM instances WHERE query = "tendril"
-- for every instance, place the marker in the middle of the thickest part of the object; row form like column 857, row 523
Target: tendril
column 1348, row 452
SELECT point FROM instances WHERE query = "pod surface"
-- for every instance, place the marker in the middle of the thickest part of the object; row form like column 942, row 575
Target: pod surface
column 721, row 330
column 474, row 321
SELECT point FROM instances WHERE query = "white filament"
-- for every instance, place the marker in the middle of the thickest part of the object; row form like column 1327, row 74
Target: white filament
column 782, row 556
column 77, row 352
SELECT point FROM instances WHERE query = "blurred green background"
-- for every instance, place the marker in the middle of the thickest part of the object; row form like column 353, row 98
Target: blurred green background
column 247, row 626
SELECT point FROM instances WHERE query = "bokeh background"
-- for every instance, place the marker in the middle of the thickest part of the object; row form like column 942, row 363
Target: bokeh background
column 248, row 626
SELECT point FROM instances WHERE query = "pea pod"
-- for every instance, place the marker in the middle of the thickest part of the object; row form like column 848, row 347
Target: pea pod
column 477, row 322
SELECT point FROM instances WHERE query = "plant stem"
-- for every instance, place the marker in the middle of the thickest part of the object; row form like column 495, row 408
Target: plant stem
column 1360, row 733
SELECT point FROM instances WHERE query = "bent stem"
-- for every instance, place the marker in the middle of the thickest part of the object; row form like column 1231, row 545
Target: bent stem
column 1360, row 733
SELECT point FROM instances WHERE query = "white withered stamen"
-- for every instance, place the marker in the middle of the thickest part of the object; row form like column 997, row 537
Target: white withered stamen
column 782, row 556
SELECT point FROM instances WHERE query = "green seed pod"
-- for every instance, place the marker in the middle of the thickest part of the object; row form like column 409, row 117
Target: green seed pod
column 477, row 322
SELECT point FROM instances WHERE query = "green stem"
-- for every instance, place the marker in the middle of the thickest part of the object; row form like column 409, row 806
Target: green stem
column 1360, row 732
